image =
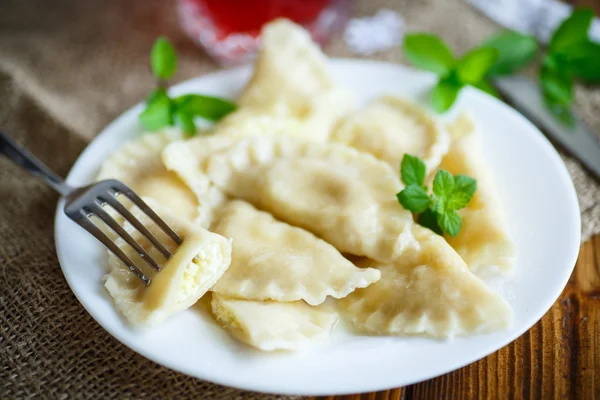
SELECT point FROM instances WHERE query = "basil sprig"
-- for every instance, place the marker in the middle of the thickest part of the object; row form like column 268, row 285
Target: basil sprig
column 162, row 110
column 503, row 54
column 570, row 56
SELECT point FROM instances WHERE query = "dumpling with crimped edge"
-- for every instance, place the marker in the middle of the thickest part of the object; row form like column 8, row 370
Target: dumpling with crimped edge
column 429, row 291
column 138, row 165
column 291, row 79
column 195, row 266
column 390, row 127
column 483, row 241
column 272, row 260
column 338, row 193
column 271, row 325
column 185, row 157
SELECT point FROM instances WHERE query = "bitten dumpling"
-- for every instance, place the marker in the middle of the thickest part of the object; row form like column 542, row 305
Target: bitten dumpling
column 272, row 260
column 138, row 165
column 483, row 241
column 391, row 127
column 429, row 291
column 291, row 79
column 270, row 325
column 195, row 266
column 341, row 195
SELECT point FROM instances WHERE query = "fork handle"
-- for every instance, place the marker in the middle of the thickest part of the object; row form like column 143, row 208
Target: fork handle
column 22, row 157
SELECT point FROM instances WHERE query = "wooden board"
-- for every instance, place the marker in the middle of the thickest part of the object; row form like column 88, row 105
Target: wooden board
column 559, row 357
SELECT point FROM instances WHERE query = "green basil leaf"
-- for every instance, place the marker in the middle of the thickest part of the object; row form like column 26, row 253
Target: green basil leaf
column 163, row 59
column 464, row 190
column 560, row 111
column 444, row 94
column 515, row 50
column 572, row 30
column 414, row 198
column 186, row 122
column 412, row 170
column 443, row 184
column 556, row 85
column 487, row 87
column 428, row 52
column 157, row 114
column 474, row 65
column 207, row 107
column 156, row 94
column 428, row 219
column 583, row 60
column 450, row 222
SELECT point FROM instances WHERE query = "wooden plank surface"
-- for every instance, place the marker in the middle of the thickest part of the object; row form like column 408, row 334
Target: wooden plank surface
column 559, row 357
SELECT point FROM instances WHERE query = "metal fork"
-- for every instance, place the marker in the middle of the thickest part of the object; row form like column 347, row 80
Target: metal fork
column 81, row 204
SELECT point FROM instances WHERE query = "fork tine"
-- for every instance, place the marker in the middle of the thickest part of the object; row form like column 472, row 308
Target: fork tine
column 108, row 220
column 121, row 209
column 84, row 221
column 130, row 194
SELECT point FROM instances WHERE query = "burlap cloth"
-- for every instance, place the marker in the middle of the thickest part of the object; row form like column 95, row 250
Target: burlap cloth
column 67, row 68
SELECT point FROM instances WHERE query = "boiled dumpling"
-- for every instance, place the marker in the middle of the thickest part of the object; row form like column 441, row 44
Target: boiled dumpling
column 339, row 194
column 291, row 79
column 272, row 260
column 460, row 127
column 271, row 325
column 249, row 122
column 483, row 241
column 427, row 291
column 391, row 127
column 185, row 158
column 195, row 266
column 138, row 165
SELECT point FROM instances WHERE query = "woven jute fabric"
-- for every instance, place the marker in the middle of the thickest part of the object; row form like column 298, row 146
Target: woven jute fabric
column 67, row 68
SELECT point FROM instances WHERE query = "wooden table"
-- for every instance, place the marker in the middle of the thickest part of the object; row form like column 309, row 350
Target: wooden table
column 559, row 357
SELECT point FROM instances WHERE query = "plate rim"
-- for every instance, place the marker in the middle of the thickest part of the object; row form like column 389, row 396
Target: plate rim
column 489, row 349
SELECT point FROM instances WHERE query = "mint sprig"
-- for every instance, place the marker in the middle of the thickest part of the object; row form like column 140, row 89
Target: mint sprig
column 162, row 110
column 570, row 56
column 500, row 55
column 438, row 211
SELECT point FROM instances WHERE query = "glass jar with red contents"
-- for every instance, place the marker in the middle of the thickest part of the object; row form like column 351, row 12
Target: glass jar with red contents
column 229, row 30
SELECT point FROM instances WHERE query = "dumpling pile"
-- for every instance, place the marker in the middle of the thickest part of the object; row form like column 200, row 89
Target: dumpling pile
column 290, row 220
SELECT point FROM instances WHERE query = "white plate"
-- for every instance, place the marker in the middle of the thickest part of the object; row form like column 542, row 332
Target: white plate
column 543, row 216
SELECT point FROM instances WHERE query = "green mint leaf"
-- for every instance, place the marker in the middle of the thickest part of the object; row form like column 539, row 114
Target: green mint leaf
column 487, row 87
column 583, row 60
column 474, row 65
column 560, row 111
column 450, row 222
column 464, row 190
column 428, row 219
column 515, row 50
column 157, row 114
column 556, row 85
column 156, row 94
column 572, row 30
column 444, row 94
column 163, row 59
column 428, row 52
column 412, row 170
column 443, row 184
column 414, row 198
column 186, row 122
column 207, row 107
